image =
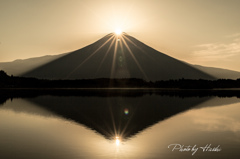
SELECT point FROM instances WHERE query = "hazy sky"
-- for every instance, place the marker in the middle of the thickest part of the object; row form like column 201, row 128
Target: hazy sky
column 204, row 32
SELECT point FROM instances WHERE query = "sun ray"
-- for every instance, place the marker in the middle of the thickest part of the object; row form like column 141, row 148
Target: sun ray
column 142, row 50
column 125, row 37
column 134, row 58
column 105, row 55
column 99, row 127
column 128, row 122
column 91, row 55
column 123, row 53
column 114, row 58
column 113, row 120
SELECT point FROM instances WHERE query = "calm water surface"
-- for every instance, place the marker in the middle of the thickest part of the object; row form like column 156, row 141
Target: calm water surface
column 136, row 127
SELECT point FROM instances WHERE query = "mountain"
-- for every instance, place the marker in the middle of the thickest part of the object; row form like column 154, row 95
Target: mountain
column 112, row 56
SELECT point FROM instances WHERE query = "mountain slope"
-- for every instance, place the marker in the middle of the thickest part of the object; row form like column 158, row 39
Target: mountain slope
column 117, row 57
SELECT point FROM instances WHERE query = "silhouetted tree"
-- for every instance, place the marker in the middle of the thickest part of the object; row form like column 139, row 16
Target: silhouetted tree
column 22, row 82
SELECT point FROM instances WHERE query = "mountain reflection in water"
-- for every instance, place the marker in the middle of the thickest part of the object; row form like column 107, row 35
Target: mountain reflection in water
column 122, row 115
column 123, row 120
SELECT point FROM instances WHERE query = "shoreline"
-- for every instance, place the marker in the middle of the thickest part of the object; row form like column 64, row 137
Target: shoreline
column 126, row 88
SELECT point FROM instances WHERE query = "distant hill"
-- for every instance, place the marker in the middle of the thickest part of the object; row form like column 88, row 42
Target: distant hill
column 111, row 57
column 21, row 66
column 219, row 73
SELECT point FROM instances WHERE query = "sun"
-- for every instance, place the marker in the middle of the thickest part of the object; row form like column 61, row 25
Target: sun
column 118, row 31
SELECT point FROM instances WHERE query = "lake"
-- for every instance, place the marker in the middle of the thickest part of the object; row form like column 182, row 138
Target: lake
column 135, row 125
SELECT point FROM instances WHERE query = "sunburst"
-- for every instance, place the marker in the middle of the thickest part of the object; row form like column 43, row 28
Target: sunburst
column 118, row 31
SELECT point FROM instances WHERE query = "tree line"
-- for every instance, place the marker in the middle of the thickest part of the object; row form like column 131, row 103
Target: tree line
column 7, row 81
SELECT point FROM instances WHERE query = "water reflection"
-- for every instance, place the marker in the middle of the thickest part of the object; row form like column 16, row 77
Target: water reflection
column 117, row 140
column 124, row 127
column 117, row 116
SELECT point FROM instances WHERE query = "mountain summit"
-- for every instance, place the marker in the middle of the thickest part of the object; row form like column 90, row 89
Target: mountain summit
column 116, row 56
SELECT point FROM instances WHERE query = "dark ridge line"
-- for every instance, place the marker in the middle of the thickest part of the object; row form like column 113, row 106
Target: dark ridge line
column 10, row 93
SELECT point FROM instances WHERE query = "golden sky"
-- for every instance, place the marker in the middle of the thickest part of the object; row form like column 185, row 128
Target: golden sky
column 204, row 32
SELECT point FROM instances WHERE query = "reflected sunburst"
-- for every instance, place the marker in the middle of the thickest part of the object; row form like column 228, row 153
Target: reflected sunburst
column 117, row 141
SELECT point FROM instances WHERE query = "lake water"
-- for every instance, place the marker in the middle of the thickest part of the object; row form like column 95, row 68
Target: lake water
column 138, row 126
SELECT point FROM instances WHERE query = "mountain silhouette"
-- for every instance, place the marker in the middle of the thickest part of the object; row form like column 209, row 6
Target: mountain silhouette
column 113, row 56
column 117, row 57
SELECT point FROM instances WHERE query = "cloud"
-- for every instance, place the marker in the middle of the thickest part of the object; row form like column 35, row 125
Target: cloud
column 217, row 51
column 234, row 35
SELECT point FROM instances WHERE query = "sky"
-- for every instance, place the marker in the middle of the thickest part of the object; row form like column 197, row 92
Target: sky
column 203, row 32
